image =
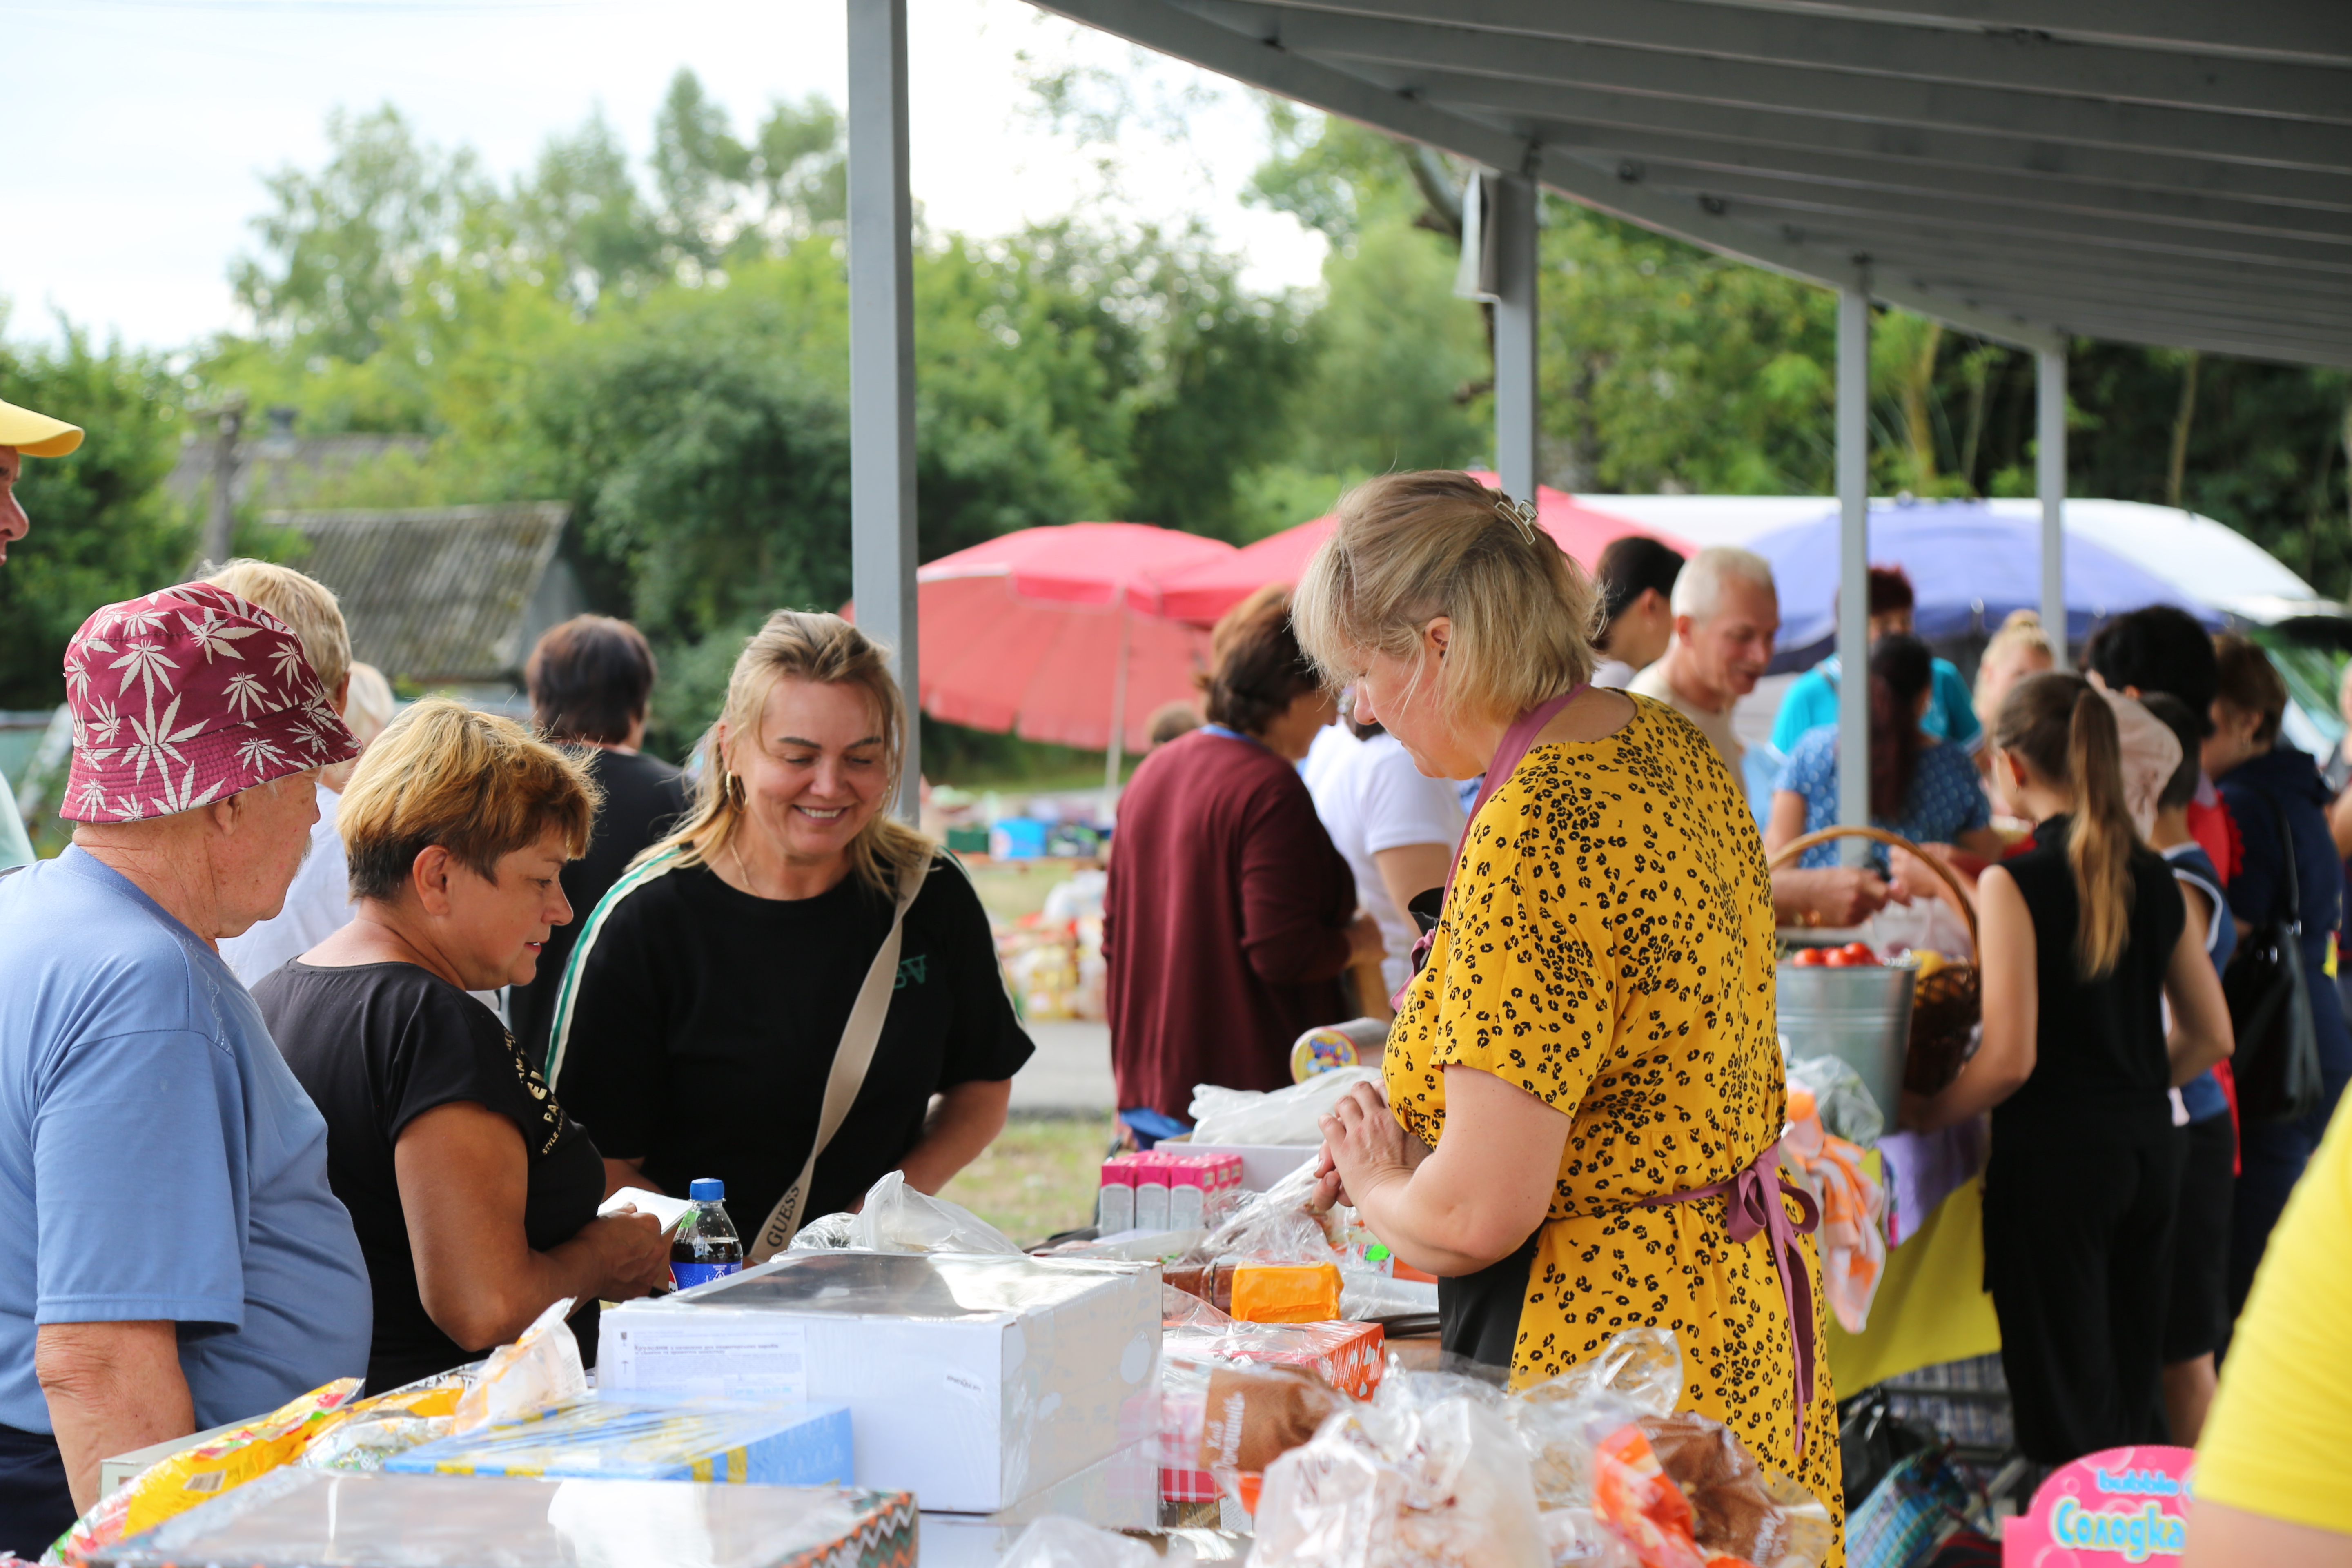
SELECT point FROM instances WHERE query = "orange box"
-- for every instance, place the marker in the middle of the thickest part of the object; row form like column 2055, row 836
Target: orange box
column 1287, row 1293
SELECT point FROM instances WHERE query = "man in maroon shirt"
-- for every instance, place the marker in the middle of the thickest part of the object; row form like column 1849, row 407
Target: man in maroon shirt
column 1230, row 917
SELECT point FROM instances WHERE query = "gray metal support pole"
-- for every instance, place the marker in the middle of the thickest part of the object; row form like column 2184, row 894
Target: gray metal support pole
column 882, row 354
column 1853, row 568
column 2050, row 484
column 1518, row 267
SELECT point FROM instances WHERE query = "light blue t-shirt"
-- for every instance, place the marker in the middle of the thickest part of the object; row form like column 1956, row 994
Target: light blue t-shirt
column 1946, row 797
column 157, row 1158
column 1812, row 701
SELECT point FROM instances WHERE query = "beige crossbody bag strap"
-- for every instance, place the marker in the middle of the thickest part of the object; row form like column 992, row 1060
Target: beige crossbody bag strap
column 854, row 1055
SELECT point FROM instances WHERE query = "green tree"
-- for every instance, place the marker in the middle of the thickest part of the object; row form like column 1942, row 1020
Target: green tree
column 343, row 245
column 103, row 529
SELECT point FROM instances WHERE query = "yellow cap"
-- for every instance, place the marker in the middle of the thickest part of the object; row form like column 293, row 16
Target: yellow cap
column 36, row 435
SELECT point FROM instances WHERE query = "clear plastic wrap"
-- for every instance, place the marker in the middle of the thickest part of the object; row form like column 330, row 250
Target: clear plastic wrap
column 1402, row 1487
column 1844, row 1102
column 293, row 1518
column 383, row 1424
column 1277, row 1116
column 1577, row 1539
column 1058, row 1541
column 1676, row 1488
column 541, row 1369
column 896, row 1217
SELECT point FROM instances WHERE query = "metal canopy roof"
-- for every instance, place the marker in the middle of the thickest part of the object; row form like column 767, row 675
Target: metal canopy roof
column 2172, row 172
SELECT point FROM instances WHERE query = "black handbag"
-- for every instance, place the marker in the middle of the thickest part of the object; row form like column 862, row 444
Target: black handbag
column 2269, row 992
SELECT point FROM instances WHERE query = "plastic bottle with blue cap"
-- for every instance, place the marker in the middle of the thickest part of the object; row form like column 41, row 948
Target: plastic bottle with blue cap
column 705, row 1247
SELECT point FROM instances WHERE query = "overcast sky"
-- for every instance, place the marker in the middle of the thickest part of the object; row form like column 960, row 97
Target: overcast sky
column 141, row 128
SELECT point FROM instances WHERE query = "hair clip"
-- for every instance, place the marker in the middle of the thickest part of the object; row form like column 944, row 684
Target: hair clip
column 1522, row 512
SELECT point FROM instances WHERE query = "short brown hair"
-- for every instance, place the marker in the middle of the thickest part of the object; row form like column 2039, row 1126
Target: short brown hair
column 1257, row 668
column 590, row 679
column 308, row 607
column 2247, row 681
column 478, row 786
column 1412, row 547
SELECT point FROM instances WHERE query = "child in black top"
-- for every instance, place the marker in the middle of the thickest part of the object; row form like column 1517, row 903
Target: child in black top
column 2081, row 935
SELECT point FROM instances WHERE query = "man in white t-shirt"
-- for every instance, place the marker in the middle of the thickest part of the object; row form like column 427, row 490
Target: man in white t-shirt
column 1396, row 828
column 1726, row 612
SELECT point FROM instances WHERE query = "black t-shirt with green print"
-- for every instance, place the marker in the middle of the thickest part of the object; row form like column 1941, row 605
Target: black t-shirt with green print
column 707, row 1020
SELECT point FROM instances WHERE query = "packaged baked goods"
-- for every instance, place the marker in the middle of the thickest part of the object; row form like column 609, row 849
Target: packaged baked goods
column 198, row 1475
column 1402, row 1487
column 375, row 1428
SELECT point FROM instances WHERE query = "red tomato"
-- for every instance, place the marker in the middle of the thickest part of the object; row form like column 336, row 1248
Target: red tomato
column 1809, row 958
column 1859, row 953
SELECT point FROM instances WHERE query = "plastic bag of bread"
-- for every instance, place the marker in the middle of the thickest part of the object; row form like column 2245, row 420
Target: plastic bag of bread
column 1407, row 1486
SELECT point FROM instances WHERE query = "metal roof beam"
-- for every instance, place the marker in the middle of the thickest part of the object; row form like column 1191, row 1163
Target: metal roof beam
column 1598, row 110
column 1204, row 43
column 1837, row 94
column 2024, row 61
column 2297, row 30
column 1697, row 163
column 2056, row 292
column 2252, row 278
column 1771, row 198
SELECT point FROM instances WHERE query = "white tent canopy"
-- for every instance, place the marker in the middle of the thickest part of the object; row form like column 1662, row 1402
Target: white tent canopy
column 2209, row 562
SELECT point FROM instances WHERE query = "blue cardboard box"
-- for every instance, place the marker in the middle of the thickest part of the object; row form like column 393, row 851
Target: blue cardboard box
column 774, row 1443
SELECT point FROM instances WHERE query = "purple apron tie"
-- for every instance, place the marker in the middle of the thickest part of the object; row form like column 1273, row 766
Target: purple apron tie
column 1751, row 1203
column 1516, row 741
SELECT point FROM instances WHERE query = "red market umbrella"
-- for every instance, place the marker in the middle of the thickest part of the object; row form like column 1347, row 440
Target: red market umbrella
column 1200, row 594
column 1056, row 633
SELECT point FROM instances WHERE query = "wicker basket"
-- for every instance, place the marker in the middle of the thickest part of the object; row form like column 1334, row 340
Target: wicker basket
column 1946, row 1006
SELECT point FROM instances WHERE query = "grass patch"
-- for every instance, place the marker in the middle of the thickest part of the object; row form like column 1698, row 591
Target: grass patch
column 1038, row 1177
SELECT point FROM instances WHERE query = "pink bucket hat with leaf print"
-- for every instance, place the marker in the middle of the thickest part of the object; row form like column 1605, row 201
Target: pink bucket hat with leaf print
column 187, row 697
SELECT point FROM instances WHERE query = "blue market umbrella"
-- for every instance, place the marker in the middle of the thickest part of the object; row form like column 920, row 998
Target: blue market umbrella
column 1968, row 566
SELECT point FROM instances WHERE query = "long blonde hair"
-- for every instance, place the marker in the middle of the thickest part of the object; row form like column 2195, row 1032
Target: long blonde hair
column 802, row 646
column 1411, row 547
column 2064, row 730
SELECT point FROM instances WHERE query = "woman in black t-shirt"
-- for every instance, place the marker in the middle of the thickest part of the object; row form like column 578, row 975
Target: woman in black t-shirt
column 473, row 1196
column 706, row 1000
column 2080, row 936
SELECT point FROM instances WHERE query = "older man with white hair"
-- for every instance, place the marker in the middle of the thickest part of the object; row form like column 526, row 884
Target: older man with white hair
column 178, row 1259
column 1726, row 612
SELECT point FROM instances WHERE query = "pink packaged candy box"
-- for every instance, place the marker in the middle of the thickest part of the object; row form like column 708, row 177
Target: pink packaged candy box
column 1163, row 1189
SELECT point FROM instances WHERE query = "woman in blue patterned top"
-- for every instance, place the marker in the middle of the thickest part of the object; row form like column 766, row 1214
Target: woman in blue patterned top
column 1921, row 787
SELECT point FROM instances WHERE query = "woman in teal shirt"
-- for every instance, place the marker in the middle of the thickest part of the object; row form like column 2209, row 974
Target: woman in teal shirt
column 1812, row 699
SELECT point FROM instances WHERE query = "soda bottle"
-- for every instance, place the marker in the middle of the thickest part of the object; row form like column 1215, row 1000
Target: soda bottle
column 705, row 1247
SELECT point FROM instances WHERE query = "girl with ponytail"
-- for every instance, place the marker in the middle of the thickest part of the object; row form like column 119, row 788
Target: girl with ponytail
column 2083, row 935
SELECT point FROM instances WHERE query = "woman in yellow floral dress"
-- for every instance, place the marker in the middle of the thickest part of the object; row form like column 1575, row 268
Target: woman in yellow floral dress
column 1584, row 1087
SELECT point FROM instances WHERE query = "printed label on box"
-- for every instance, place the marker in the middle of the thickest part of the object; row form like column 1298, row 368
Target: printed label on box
column 738, row 1356
column 2115, row 1507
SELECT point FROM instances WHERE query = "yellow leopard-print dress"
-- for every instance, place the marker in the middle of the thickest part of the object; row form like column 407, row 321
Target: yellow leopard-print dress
column 1607, row 947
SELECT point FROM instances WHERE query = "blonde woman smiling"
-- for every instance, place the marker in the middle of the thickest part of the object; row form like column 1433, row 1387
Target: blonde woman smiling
column 776, row 994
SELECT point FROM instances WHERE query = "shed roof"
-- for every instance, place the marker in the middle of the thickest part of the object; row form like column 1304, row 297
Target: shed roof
column 2169, row 172
column 436, row 594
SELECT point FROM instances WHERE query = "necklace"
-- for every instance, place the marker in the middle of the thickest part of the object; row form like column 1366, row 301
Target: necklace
column 751, row 884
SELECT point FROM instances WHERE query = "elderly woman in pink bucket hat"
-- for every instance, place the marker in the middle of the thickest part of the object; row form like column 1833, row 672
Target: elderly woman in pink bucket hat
column 179, row 1260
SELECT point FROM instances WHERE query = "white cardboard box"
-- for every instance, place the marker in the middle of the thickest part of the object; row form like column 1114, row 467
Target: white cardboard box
column 971, row 1382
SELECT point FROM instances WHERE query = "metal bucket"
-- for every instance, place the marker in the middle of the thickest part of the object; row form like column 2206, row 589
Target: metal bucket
column 1861, row 1015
